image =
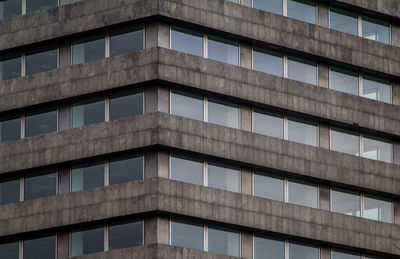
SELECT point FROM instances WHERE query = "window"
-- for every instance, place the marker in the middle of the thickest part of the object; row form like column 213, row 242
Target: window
column 339, row 255
column 10, row 129
column 375, row 30
column 346, row 203
column 223, row 113
column 125, row 170
column 40, row 186
column 303, row 132
column 297, row 251
column 88, row 49
column 303, row 194
column 268, row 187
column 268, row 248
column 302, row 70
column 122, row 106
column 41, row 61
column 378, row 209
column 187, row 235
column 344, row 81
column 125, row 235
column 43, row 248
column 9, row 192
column 186, row 105
column 268, row 62
column 377, row 89
column 185, row 170
column 38, row 123
column 126, row 41
column 87, row 241
column 37, row 5
column 223, row 50
column 187, row 41
column 10, row 8
column 343, row 21
column 10, row 250
column 272, row 6
column 88, row 177
column 268, row 124
column 223, row 178
column 303, row 10
column 86, row 113
column 223, row 242
column 345, row 141
column 10, row 68
column 377, row 149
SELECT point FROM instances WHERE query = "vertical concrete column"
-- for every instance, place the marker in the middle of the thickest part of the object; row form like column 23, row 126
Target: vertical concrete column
column 324, row 197
column 157, row 35
column 246, row 2
column 156, row 164
column 64, row 117
column 324, row 138
column 245, row 55
column 396, row 93
column 246, row 181
column 156, row 99
column 63, row 180
column 396, row 208
column 396, row 152
column 247, row 245
column 245, row 118
column 156, row 230
column 65, row 54
column 323, row 75
column 63, row 245
column 323, row 15
column 395, row 35
column 325, row 253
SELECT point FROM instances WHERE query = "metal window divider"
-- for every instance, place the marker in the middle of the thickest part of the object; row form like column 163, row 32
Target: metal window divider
column 107, row 109
column 205, row 238
column 107, row 173
column 107, row 46
column 284, row 8
column 106, row 238
column 205, row 173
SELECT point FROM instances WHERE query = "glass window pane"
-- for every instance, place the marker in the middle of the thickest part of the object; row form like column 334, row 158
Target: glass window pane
column 223, row 242
column 303, row 10
column 187, row 235
column 88, row 113
column 346, row 203
column 122, row 106
column 36, row 5
column 187, row 41
column 302, row 70
column 378, row 209
column 43, row 248
column 223, row 113
column 40, row 186
column 10, row 68
column 9, row 192
column 268, row 61
column 339, row 255
column 375, row 30
column 10, row 8
column 301, row 252
column 9, row 250
column 223, row 178
column 303, row 194
column 41, row 61
column 268, row 124
column 190, row 171
column 126, row 170
column 189, row 106
column 125, row 235
column 40, row 123
column 345, row 141
column 10, row 129
column 87, row 242
column 223, row 50
column 344, row 81
column 126, row 42
column 302, row 132
column 268, row 187
column 377, row 89
column 233, row 1
column 268, row 249
column 343, row 21
column 377, row 149
column 88, row 50
column 88, row 177
column 272, row 6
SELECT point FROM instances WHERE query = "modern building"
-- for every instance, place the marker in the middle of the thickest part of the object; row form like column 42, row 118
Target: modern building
column 200, row 129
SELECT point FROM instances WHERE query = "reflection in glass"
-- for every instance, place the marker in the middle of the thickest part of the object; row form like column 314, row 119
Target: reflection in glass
column 223, row 178
column 302, row 70
column 190, row 171
column 9, row 250
column 36, row 5
column 126, row 42
column 343, row 21
column 303, row 10
column 301, row 252
column 43, row 248
column 268, row 187
column 268, row 61
column 40, row 123
column 303, row 194
column 344, row 81
column 10, row 68
column 125, row 235
column 377, row 89
column 187, row 41
column 122, row 106
column 187, row 105
column 223, row 50
column 88, row 113
column 378, row 209
column 223, row 113
column 87, row 242
column 40, row 186
column 302, row 132
column 380, row 150
column 187, row 235
column 88, row 177
column 223, row 242
column 41, row 61
column 126, row 170
column 339, row 255
column 88, row 50
column 268, row 248
column 268, row 124
column 345, row 141
column 10, row 8
column 272, row 6
column 346, row 203
column 10, row 129
column 9, row 192
column 375, row 30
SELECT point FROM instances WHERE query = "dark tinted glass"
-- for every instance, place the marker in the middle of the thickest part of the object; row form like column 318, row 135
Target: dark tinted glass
column 125, row 235
column 9, row 192
column 272, row 6
column 223, row 242
column 40, row 186
column 87, row 242
column 88, row 50
column 126, row 42
column 10, row 8
column 41, row 61
column 126, row 170
column 187, row 41
column 268, row 62
column 88, row 177
column 303, row 10
column 268, row 249
column 35, row 5
column 40, row 123
column 10, row 129
column 302, row 252
column 186, row 170
column 10, row 68
column 223, row 50
column 9, row 250
column 343, row 21
column 126, row 106
column 88, row 113
column 43, row 248
column 187, row 235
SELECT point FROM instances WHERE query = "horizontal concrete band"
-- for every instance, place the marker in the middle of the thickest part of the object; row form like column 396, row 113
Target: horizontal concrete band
column 388, row 7
column 178, row 198
column 204, row 138
column 183, row 69
column 219, row 15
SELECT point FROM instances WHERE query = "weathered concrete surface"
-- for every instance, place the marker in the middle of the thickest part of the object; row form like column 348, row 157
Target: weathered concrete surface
column 388, row 7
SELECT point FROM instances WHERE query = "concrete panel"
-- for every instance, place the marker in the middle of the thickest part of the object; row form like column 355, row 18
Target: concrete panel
column 388, row 7
column 323, row 75
column 156, row 230
column 325, row 253
column 323, row 14
column 64, row 175
column 64, row 2
column 62, row 245
column 324, row 136
column 324, row 197
column 151, row 99
column 247, row 3
column 247, row 245
column 246, row 181
column 151, row 164
column 396, row 208
column 246, row 53
column 395, row 35
column 157, row 35
column 396, row 152
column 163, row 164
column 65, row 54
column 396, row 93
column 65, row 117
column 246, row 120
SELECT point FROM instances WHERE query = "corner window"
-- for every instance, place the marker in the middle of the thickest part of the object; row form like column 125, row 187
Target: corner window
column 268, row 248
column 302, row 70
column 303, row 194
column 375, row 30
column 37, row 5
column 87, row 50
column 187, row 235
column 86, row 113
column 41, row 61
column 127, row 41
column 268, row 124
column 377, row 149
column 125, row 235
column 88, row 177
column 10, row 68
column 346, row 203
column 268, row 187
column 303, row 10
column 344, row 81
column 187, row 41
column 272, row 6
column 378, row 209
column 339, row 255
column 377, row 89
column 43, row 248
column 10, row 250
column 40, row 186
column 10, row 129
column 343, row 21
column 126, row 170
column 87, row 242
column 223, row 242
column 297, row 251
column 123, row 105
column 185, row 170
column 38, row 123
column 345, row 141
column 302, row 132
column 187, row 105
column 223, row 113
column 9, row 192
column 268, row 61
column 10, row 8
column 223, row 50
column 223, row 178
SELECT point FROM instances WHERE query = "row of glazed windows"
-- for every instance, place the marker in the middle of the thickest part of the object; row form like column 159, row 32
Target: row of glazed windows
column 91, row 48
column 107, row 238
column 339, row 19
column 279, row 64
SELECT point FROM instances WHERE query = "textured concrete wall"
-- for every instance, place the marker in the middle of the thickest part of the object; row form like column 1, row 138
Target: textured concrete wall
column 389, row 7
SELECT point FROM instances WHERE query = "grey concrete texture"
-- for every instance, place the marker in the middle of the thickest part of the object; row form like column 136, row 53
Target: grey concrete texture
column 388, row 7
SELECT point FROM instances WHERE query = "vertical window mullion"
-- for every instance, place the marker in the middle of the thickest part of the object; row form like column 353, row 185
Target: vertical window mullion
column 285, row 128
column 285, row 66
column 21, row 249
column 106, row 233
column 107, row 173
column 21, row 189
column 23, row 65
column 359, row 28
column 23, row 7
column 284, row 7
column 361, row 205
column 286, row 250
column 205, row 238
column 205, row 173
column 205, row 109
column 360, row 85
column 286, row 190
column 22, row 126
column 205, row 46
column 361, row 145
column 107, row 46
column 107, row 109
